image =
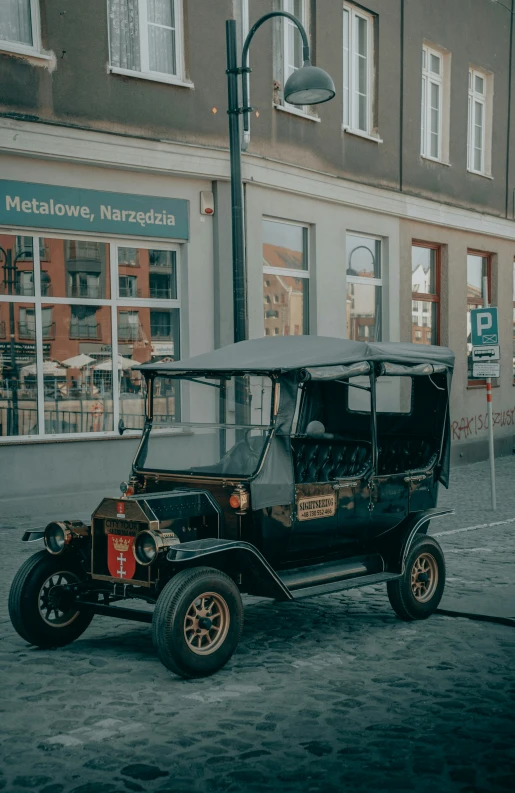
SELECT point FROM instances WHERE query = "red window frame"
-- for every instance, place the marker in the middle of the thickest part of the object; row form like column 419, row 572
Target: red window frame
column 422, row 297
column 478, row 302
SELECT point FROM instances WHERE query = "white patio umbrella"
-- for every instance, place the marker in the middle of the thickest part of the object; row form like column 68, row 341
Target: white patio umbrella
column 78, row 361
column 50, row 368
column 123, row 363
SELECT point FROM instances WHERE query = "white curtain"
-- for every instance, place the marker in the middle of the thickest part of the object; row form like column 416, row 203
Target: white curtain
column 124, row 34
column 161, row 36
column 15, row 21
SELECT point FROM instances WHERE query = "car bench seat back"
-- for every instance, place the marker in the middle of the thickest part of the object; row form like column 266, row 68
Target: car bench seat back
column 399, row 453
column 318, row 459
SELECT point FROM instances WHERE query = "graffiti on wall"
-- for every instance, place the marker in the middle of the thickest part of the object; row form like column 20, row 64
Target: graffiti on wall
column 473, row 425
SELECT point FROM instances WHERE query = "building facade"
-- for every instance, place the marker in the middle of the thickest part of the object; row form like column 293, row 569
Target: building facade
column 375, row 216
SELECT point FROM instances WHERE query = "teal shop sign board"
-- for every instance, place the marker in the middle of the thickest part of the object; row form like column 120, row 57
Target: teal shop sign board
column 76, row 209
column 485, row 329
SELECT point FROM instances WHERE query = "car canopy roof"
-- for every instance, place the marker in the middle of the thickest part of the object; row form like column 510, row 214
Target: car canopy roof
column 291, row 353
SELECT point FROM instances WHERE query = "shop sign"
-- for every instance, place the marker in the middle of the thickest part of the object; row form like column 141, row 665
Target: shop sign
column 162, row 347
column 77, row 209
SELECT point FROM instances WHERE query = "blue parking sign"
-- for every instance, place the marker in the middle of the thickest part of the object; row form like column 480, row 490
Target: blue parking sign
column 485, row 328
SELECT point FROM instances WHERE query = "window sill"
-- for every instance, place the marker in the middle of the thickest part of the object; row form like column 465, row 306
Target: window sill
column 108, row 435
column 299, row 113
column 437, row 162
column 8, row 48
column 360, row 134
column 478, row 173
column 153, row 77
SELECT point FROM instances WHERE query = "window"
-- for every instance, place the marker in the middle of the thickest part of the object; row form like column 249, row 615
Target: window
column 145, row 38
column 292, row 43
column 434, row 68
column 19, row 26
column 364, row 288
column 358, row 66
column 66, row 373
column 286, row 271
column 479, row 122
column 425, row 289
column 479, row 266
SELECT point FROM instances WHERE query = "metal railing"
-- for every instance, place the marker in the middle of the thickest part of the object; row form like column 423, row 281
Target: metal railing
column 130, row 332
column 69, row 421
column 82, row 290
column 28, row 331
column 85, row 330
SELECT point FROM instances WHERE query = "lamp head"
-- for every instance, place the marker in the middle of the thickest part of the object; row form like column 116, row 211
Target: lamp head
column 308, row 85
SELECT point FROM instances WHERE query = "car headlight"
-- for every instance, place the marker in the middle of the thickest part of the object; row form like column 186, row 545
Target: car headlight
column 57, row 536
column 149, row 543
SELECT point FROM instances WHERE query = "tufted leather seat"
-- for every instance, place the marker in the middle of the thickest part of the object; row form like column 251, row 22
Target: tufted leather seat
column 398, row 453
column 323, row 460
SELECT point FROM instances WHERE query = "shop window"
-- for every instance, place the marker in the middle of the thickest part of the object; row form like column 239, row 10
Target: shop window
column 67, row 326
column 157, row 273
column 286, row 278
column 479, row 266
column 19, row 26
column 364, row 288
column 425, row 289
column 146, row 38
column 144, row 335
column 358, row 70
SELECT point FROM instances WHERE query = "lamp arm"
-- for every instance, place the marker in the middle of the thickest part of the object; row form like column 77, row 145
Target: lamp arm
column 245, row 70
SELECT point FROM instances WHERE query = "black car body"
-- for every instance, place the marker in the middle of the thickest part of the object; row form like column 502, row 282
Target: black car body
column 315, row 468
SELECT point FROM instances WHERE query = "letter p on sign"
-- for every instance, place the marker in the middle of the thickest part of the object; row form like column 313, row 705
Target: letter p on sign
column 484, row 326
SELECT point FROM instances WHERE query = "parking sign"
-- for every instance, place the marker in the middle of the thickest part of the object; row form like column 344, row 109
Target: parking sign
column 484, row 326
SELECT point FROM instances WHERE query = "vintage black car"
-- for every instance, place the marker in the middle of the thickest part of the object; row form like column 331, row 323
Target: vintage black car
column 289, row 467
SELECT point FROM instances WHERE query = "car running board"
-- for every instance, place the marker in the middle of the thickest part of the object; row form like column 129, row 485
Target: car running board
column 339, row 586
column 335, row 575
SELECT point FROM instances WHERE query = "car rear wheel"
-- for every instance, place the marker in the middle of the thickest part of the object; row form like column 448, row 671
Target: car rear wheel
column 39, row 612
column 417, row 594
column 197, row 622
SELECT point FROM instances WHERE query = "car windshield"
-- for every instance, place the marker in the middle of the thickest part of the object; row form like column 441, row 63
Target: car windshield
column 221, row 425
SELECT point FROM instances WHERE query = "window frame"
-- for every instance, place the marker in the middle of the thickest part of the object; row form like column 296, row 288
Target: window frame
column 485, row 100
column 147, row 74
column 427, row 297
column 287, row 271
column 39, row 302
column 350, row 112
column 284, row 25
column 35, row 49
column 356, row 279
column 430, row 78
column 513, row 320
column 478, row 302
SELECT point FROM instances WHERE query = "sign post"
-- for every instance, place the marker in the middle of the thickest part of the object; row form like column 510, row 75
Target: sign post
column 485, row 349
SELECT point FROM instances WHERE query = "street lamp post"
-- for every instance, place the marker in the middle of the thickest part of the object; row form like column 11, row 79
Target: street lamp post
column 308, row 85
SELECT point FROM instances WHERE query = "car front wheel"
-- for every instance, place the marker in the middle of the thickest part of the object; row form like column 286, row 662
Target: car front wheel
column 197, row 622
column 417, row 594
column 40, row 612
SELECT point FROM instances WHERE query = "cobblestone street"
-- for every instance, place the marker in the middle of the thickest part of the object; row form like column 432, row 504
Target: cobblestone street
column 327, row 694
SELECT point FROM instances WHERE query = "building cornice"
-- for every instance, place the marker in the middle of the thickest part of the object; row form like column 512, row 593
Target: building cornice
column 108, row 150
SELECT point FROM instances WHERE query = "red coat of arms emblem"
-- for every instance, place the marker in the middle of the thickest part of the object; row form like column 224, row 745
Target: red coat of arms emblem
column 120, row 558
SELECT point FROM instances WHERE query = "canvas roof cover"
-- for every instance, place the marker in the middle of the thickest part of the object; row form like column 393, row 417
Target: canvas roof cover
column 290, row 353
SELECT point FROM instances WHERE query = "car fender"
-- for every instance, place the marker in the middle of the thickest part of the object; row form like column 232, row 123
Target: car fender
column 235, row 556
column 396, row 544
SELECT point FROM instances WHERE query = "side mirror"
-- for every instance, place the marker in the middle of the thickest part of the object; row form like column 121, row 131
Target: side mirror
column 121, row 427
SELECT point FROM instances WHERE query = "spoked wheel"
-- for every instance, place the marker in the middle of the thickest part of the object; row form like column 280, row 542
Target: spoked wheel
column 40, row 611
column 197, row 622
column 417, row 594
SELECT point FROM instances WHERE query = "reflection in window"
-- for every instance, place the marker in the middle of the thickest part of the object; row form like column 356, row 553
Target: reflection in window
column 16, row 266
column 18, row 384
column 425, row 267
column 156, row 277
column 286, row 279
column 146, row 335
column 478, row 267
column 16, row 22
column 364, row 288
